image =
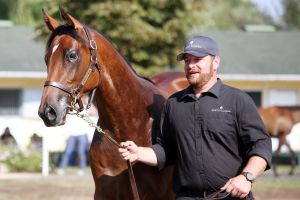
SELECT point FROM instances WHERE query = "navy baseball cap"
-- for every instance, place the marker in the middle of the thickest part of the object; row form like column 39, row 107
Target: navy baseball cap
column 199, row 46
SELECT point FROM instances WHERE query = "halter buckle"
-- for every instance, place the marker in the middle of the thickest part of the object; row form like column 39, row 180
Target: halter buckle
column 93, row 44
column 75, row 95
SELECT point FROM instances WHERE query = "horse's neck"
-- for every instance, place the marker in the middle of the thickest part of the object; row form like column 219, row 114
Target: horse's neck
column 125, row 110
column 118, row 80
column 124, row 100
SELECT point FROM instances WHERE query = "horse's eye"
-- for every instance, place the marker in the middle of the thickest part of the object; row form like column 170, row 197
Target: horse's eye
column 72, row 56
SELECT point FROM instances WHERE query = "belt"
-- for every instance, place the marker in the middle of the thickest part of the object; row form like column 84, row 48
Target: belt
column 201, row 194
column 208, row 195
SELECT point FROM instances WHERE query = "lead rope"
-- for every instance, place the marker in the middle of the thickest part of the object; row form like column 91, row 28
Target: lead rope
column 220, row 195
column 216, row 195
column 86, row 118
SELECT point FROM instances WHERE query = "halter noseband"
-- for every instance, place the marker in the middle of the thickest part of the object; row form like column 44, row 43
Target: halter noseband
column 75, row 92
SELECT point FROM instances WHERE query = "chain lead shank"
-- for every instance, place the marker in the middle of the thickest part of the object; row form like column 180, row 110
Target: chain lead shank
column 91, row 123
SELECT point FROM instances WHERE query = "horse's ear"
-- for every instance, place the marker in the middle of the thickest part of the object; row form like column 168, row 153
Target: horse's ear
column 69, row 20
column 51, row 23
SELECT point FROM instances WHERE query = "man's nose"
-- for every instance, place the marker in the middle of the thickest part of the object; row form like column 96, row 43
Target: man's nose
column 191, row 65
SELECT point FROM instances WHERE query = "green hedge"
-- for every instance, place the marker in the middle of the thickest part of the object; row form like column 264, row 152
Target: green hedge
column 18, row 161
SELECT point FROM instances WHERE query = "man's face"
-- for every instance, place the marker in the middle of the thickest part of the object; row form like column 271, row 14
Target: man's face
column 199, row 70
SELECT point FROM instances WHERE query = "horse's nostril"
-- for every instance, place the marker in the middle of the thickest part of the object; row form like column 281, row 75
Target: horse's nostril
column 50, row 113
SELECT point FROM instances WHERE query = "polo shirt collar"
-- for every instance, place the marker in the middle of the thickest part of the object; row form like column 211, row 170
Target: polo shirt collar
column 214, row 90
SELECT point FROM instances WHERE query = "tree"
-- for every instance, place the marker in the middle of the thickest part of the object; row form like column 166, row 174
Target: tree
column 292, row 14
column 229, row 15
column 149, row 33
column 4, row 9
column 21, row 12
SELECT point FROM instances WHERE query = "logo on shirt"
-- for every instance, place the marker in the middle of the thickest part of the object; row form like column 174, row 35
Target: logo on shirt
column 220, row 109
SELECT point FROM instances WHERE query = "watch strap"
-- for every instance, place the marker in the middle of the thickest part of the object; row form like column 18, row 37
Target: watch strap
column 249, row 176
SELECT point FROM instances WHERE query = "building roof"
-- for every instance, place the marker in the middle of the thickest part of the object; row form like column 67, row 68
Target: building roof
column 20, row 51
column 258, row 52
column 242, row 53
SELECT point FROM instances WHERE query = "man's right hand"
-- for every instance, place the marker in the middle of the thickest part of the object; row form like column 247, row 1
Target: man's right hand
column 129, row 151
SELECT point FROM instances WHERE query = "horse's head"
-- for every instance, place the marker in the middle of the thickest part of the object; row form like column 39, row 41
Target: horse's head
column 72, row 67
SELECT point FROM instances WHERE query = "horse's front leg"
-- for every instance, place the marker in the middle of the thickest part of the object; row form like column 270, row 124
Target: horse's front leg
column 293, row 157
column 109, row 171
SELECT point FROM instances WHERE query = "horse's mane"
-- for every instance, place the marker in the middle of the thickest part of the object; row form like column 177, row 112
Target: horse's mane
column 69, row 30
column 125, row 59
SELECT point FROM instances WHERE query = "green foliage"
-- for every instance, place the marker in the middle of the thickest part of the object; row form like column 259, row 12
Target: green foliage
column 25, row 12
column 149, row 33
column 18, row 161
column 232, row 14
column 292, row 14
column 4, row 9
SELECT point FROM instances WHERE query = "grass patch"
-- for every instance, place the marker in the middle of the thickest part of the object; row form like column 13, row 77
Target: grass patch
column 276, row 183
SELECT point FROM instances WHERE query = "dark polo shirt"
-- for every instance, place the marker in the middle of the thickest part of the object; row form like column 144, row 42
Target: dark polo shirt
column 210, row 138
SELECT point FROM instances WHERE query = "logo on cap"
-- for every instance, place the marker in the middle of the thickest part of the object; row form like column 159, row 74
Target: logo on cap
column 192, row 45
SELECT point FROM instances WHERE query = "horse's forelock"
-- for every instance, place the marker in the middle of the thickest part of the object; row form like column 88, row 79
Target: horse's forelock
column 67, row 30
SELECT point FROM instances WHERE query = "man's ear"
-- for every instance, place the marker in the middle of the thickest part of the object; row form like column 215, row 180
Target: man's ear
column 51, row 23
column 216, row 62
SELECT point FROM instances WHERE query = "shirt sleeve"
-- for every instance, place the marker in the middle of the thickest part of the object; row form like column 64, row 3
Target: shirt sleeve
column 253, row 133
column 164, row 149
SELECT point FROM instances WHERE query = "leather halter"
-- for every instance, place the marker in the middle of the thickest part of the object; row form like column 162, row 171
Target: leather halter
column 75, row 92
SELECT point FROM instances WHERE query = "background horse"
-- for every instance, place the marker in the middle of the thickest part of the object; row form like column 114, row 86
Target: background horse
column 79, row 60
column 170, row 82
column 279, row 121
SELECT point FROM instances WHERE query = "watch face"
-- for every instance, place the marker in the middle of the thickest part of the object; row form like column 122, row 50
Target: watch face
column 249, row 176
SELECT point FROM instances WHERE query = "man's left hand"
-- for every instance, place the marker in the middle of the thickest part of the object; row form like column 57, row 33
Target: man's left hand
column 238, row 186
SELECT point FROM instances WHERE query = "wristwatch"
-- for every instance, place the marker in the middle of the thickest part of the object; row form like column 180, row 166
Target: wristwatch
column 249, row 176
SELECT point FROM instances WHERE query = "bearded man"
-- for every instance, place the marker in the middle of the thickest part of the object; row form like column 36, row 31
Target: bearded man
column 210, row 132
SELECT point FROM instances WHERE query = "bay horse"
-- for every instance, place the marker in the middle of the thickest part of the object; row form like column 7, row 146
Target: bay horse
column 80, row 60
column 170, row 82
column 279, row 121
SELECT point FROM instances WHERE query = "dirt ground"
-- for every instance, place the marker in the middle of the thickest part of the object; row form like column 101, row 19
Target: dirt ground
column 283, row 187
column 72, row 187
column 37, row 187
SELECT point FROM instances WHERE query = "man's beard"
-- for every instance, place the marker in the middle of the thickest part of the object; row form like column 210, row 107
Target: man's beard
column 201, row 79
